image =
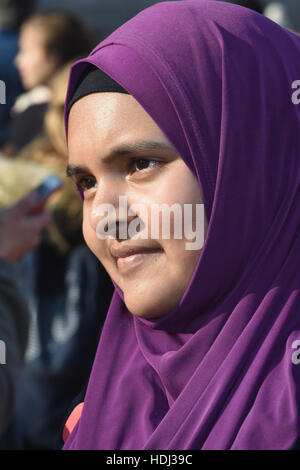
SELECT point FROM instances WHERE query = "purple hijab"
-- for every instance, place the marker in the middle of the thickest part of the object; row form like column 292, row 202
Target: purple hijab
column 221, row 370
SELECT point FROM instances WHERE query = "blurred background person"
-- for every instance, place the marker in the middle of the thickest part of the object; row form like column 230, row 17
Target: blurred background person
column 47, row 41
column 14, row 313
column 43, row 156
column 66, row 287
column 12, row 14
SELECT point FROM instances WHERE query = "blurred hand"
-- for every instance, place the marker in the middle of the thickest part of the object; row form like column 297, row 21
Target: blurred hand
column 19, row 231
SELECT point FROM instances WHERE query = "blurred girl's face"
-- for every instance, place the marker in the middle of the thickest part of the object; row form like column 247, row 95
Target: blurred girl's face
column 36, row 66
column 153, row 273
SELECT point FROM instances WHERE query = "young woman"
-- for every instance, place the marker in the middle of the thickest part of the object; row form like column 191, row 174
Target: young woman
column 189, row 103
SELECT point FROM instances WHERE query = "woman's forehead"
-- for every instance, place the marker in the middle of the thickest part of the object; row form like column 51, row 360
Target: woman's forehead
column 111, row 115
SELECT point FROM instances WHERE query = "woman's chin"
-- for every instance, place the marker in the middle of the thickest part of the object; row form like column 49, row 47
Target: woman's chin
column 145, row 306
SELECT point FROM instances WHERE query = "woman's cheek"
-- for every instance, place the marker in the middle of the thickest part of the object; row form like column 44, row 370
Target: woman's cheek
column 96, row 245
column 89, row 234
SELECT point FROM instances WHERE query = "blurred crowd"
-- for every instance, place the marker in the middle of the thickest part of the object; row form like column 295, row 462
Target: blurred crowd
column 54, row 294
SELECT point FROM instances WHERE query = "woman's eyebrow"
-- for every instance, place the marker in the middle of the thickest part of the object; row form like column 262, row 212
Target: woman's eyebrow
column 72, row 170
column 125, row 149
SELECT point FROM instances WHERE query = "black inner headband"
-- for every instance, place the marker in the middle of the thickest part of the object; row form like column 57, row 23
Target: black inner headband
column 94, row 80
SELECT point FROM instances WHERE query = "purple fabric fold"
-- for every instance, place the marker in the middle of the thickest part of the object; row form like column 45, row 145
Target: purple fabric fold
column 218, row 371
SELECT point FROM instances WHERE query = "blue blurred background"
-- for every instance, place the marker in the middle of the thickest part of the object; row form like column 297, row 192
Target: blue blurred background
column 106, row 15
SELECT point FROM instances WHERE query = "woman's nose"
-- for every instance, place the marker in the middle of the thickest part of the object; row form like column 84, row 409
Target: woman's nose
column 109, row 214
column 106, row 202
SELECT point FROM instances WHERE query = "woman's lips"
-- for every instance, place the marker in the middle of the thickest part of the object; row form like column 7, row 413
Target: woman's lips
column 131, row 260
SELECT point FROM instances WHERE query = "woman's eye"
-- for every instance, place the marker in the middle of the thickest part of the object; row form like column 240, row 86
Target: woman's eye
column 85, row 183
column 140, row 164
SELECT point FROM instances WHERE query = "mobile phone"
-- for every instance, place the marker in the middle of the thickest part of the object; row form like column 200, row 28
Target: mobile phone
column 47, row 187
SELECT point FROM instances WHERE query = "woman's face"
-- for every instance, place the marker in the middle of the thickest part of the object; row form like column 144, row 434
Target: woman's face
column 35, row 65
column 153, row 273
